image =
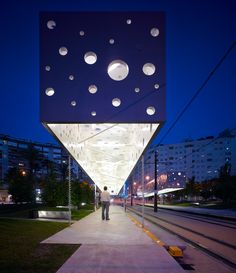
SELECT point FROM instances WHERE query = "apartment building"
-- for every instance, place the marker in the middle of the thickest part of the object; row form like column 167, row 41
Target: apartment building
column 177, row 162
column 12, row 151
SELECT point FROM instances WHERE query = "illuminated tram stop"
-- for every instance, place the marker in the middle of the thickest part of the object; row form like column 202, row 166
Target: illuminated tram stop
column 102, row 87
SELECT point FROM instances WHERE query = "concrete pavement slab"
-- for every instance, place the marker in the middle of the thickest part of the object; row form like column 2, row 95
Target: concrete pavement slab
column 120, row 259
column 112, row 246
column 93, row 230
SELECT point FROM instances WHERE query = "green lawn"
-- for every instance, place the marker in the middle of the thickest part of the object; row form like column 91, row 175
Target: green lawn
column 78, row 214
column 21, row 251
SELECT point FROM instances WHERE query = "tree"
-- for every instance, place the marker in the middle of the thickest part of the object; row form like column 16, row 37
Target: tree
column 226, row 184
column 49, row 190
column 20, row 186
column 64, row 170
column 33, row 158
column 227, row 133
column 62, row 193
column 192, row 188
column 82, row 192
column 207, row 189
column 49, row 165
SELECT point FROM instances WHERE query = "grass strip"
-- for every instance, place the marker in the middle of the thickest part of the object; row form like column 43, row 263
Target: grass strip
column 21, row 250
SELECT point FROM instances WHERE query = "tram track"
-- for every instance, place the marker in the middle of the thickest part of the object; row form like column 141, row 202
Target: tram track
column 208, row 244
column 231, row 225
column 213, row 219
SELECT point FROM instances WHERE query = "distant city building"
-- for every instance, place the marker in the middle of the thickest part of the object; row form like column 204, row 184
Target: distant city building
column 176, row 163
column 12, row 155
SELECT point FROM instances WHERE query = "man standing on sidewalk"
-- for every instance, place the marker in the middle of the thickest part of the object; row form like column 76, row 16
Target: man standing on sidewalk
column 105, row 200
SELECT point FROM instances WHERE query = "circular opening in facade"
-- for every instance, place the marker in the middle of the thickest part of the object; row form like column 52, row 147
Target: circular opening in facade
column 73, row 103
column 51, row 24
column 156, row 86
column 111, row 41
column 71, row 77
column 90, row 57
column 118, row 70
column 92, row 89
column 136, row 89
column 49, row 91
column 150, row 110
column 116, row 102
column 93, row 113
column 155, row 32
column 149, row 69
column 128, row 21
column 63, row 51
column 47, row 68
column 81, row 33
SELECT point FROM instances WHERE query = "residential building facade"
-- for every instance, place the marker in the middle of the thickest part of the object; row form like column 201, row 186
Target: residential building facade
column 12, row 155
column 175, row 163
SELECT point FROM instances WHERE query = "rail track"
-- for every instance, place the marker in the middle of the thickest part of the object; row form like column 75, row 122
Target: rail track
column 199, row 234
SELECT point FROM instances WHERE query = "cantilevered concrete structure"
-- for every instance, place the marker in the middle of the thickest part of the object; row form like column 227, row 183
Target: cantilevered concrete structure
column 102, row 87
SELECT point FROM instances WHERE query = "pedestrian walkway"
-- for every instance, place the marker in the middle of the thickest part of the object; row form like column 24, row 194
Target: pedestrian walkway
column 115, row 246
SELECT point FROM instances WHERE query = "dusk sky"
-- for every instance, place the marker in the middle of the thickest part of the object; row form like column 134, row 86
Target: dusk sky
column 198, row 34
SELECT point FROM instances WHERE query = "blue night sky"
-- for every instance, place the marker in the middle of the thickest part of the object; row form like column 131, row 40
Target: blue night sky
column 198, row 32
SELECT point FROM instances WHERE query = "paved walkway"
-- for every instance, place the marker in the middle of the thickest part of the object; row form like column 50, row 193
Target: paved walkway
column 115, row 246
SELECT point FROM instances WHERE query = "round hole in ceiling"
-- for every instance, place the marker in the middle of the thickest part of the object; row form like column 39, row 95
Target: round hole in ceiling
column 111, row 41
column 92, row 89
column 81, row 33
column 63, row 51
column 155, row 32
column 151, row 110
column 90, row 57
column 118, row 70
column 49, row 91
column 156, row 86
column 51, row 24
column 116, row 102
column 149, row 69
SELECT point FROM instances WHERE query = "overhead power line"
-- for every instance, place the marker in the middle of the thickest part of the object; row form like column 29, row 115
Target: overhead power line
column 198, row 91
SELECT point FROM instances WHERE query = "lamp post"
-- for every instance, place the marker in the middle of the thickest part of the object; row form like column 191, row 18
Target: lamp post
column 143, row 191
column 95, row 197
column 69, row 189
column 155, row 185
column 155, row 181
column 134, row 191
column 147, row 177
column 131, row 192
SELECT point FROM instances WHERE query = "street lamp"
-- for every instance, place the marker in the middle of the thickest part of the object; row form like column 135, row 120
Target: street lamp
column 132, row 186
column 155, row 179
column 147, row 177
column 131, row 192
column 155, row 184
column 69, row 188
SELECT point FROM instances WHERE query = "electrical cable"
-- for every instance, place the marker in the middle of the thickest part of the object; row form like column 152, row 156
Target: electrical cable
column 199, row 90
